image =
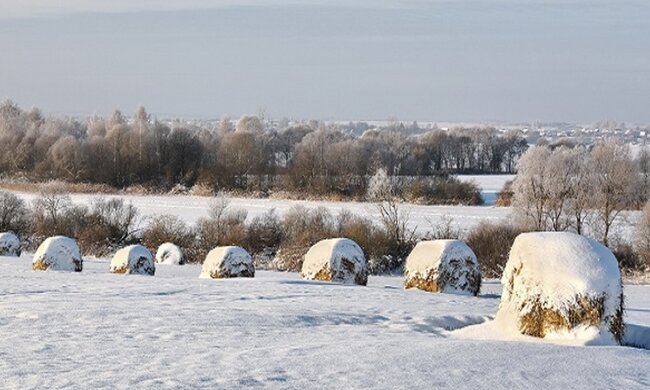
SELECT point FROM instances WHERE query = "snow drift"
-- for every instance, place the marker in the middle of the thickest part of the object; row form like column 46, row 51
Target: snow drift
column 447, row 266
column 169, row 253
column 336, row 260
column 9, row 244
column 133, row 259
column 562, row 286
column 58, row 253
column 227, row 262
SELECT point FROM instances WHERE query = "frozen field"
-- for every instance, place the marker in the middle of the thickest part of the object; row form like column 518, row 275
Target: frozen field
column 98, row 330
column 191, row 208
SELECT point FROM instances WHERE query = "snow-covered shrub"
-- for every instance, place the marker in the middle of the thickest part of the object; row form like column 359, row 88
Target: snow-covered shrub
column 447, row 266
column 336, row 260
column 133, row 259
column 58, row 253
column 562, row 285
column 227, row 262
column 9, row 244
column 169, row 253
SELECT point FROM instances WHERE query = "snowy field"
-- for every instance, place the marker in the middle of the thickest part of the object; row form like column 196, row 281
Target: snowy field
column 99, row 330
column 191, row 208
column 421, row 217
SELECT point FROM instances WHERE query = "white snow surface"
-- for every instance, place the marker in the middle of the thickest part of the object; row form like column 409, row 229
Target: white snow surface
column 328, row 254
column 438, row 255
column 227, row 260
column 93, row 330
column 9, row 244
column 169, row 253
column 556, row 267
column 60, row 254
column 135, row 258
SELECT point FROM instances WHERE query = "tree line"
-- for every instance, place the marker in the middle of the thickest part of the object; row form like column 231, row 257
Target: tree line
column 312, row 158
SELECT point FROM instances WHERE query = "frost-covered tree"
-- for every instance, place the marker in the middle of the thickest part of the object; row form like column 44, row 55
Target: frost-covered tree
column 250, row 124
column 582, row 189
column 614, row 176
column 380, row 187
column 531, row 194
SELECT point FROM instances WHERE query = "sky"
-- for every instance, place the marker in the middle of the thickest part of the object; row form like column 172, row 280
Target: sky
column 437, row 60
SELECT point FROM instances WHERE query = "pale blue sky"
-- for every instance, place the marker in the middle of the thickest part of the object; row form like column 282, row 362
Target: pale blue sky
column 477, row 60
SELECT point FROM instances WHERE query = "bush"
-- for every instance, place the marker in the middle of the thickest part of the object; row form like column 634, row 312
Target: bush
column 504, row 197
column 222, row 228
column 443, row 229
column 628, row 260
column 491, row 242
column 169, row 228
column 109, row 225
column 13, row 214
column 301, row 228
column 443, row 190
column 264, row 232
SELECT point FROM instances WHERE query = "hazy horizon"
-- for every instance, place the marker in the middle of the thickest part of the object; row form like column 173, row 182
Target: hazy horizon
column 463, row 61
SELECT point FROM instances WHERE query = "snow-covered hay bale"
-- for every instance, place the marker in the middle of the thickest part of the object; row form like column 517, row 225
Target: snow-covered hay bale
column 562, row 286
column 9, row 244
column 133, row 259
column 336, row 260
column 169, row 253
column 58, row 253
column 447, row 266
column 228, row 262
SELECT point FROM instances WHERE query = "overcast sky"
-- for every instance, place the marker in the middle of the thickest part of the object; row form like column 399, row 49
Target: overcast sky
column 438, row 60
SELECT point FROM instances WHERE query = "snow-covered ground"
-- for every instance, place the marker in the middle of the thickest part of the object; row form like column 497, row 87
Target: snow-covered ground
column 99, row 330
column 490, row 185
column 191, row 208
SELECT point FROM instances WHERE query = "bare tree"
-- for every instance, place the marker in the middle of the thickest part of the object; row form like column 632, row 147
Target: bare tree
column 53, row 201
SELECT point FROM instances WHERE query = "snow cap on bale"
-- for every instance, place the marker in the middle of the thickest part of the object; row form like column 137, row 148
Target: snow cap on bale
column 227, row 262
column 336, row 260
column 133, row 259
column 562, row 286
column 169, row 253
column 58, row 253
column 447, row 266
column 9, row 244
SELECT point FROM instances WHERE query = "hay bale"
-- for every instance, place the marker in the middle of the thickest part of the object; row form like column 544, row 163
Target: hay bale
column 169, row 253
column 9, row 245
column 227, row 262
column 336, row 260
column 58, row 253
column 447, row 266
column 562, row 286
column 133, row 259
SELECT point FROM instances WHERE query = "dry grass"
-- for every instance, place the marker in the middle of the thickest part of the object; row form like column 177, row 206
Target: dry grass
column 326, row 274
column 539, row 320
column 247, row 273
column 40, row 265
column 81, row 188
column 436, row 280
column 120, row 270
